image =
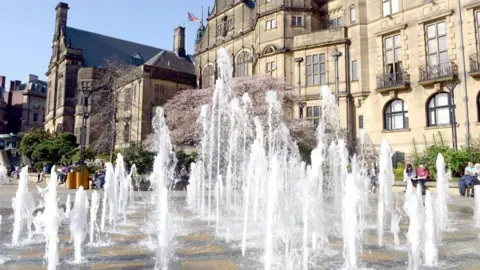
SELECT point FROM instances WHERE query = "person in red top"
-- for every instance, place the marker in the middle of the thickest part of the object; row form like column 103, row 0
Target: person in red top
column 421, row 177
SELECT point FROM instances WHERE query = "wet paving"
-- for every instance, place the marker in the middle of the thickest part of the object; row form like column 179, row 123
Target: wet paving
column 195, row 246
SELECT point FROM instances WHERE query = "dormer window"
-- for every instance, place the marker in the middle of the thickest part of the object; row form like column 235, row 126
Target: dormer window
column 136, row 59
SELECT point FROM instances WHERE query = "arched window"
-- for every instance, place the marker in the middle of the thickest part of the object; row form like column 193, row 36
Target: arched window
column 396, row 115
column 242, row 64
column 438, row 111
column 269, row 50
column 208, row 77
column 478, row 105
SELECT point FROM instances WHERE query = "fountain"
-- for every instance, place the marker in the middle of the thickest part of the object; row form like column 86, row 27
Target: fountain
column 93, row 215
column 68, row 206
column 243, row 173
column 413, row 206
column 477, row 205
column 442, row 198
column 124, row 186
column 52, row 221
column 385, row 183
column 109, row 198
column 78, row 222
column 23, row 206
column 430, row 250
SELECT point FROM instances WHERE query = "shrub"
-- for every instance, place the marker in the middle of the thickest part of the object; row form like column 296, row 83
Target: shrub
column 398, row 172
column 185, row 159
column 136, row 154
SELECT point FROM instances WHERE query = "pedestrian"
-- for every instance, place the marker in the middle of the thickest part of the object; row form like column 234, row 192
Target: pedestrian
column 421, row 176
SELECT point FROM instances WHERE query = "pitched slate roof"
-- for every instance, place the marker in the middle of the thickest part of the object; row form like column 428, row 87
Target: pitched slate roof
column 97, row 48
column 170, row 60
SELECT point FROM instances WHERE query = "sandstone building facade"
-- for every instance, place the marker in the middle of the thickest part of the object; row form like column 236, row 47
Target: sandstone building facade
column 396, row 60
column 78, row 58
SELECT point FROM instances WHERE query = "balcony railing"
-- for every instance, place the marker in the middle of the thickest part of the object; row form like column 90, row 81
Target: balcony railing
column 475, row 64
column 393, row 80
column 440, row 72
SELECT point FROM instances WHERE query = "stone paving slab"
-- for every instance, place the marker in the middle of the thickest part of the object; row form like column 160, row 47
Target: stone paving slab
column 209, row 265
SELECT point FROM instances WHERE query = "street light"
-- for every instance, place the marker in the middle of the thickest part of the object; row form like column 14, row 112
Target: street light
column 452, row 108
column 301, row 103
column 86, row 89
column 336, row 54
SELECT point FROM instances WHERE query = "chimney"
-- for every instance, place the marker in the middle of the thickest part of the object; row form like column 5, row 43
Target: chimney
column 179, row 41
column 31, row 78
column 61, row 19
column 2, row 81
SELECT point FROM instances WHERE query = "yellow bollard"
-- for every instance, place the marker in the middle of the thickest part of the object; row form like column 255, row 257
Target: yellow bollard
column 71, row 182
column 78, row 178
column 86, row 181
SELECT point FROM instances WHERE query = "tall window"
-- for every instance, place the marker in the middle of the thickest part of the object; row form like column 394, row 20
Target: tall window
column 352, row 14
column 270, row 66
column 126, row 133
column 313, row 114
column 438, row 110
column 437, row 44
column 316, row 69
column 478, row 31
column 128, row 99
column 354, row 71
column 478, row 107
column 35, row 117
column 396, row 115
column 389, row 7
column 335, row 23
column 297, row 21
column 360, row 121
column 208, row 77
column 242, row 64
column 230, row 24
column 270, row 24
column 392, row 56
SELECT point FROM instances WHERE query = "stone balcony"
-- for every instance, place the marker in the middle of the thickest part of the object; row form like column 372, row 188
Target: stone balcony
column 443, row 72
column 475, row 65
column 393, row 81
column 322, row 37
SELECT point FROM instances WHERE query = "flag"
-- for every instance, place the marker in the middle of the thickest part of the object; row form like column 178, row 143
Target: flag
column 192, row 18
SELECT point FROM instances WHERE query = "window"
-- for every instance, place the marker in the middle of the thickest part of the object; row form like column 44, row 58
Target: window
column 335, row 23
column 392, row 57
column 354, row 71
column 270, row 66
column 313, row 114
column 270, row 24
column 128, row 99
column 126, row 133
column 396, row 115
column 360, row 121
column 242, row 64
column 478, row 31
column 268, row 1
column 220, row 28
column 389, row 7
column 478, row 107
column 438, row 110
column 436, row 45
column 352, row 15
column 297, row 21
column 35, row 117
column 230, row 24
column 316, row 69
column 208, row 77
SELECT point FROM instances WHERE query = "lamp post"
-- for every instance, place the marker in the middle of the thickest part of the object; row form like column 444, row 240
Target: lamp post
column 301, row 103
column 336, row 54
column 452, row 108
column 86, row 89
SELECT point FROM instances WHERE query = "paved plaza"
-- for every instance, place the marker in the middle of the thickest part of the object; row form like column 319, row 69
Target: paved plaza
column 195, row 246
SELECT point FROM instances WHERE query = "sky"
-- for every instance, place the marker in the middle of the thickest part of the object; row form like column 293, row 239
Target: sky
column 27, row 27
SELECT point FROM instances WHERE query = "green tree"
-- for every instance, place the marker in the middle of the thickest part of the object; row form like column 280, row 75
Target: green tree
column 31, row 140
column 185, row 159
column 52, row 151
column 136, row 154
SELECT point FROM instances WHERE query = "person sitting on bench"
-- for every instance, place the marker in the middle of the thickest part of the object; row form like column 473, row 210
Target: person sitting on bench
column 421, row 176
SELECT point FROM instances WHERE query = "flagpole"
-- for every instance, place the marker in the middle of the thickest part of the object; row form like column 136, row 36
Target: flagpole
column 186, row 36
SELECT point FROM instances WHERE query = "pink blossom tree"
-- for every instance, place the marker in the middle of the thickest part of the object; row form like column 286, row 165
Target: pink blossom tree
column 182, row 111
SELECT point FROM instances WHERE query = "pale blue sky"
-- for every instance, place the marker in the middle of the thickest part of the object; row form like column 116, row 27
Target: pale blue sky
column 26, row 27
